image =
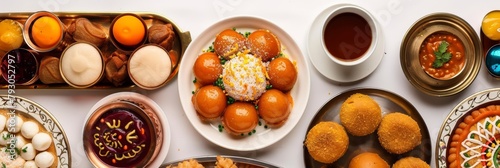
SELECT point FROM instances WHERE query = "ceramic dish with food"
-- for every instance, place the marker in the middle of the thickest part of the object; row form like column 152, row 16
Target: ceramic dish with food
column 220, row 160
column 213, row 129
column 441, row 54
column 391, row 109
column 126, row 129
column 39, row 139
column 468, row 136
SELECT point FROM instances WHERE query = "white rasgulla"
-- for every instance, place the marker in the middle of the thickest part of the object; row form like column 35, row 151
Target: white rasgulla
column 41, row 141
column 29, row 129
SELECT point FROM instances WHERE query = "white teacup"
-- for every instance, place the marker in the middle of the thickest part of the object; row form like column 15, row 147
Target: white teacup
column 350, row 52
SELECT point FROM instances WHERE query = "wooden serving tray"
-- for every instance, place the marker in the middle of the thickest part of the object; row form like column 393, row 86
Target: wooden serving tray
column 181, row 41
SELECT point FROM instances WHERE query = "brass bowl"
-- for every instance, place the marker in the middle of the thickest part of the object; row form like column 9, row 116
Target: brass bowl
column 410, row 48
column 118, row 45
column 92, row 140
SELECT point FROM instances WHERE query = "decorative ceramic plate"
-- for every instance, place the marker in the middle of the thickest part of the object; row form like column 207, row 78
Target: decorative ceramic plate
column 46, row 119
column 456, row 116
column 411, row 44
column 209, row 161
column 262, row 137
column 389, row 103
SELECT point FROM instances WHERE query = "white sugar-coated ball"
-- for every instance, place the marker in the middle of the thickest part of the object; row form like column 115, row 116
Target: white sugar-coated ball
column 44, row 159
column 41, row 141
column 3, row 119
column 14, row 124
column 28, row 152
column 30, row 164
column 29, row 129
column 20, row 142
column 5, row 137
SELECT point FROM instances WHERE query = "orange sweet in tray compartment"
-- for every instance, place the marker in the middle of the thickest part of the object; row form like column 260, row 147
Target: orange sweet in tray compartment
column 129, row 30
column 46, row 31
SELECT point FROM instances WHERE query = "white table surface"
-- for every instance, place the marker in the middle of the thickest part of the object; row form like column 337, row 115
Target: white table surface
column 294, row 16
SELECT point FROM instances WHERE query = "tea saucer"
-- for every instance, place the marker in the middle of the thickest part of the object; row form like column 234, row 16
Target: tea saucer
column 330, row 69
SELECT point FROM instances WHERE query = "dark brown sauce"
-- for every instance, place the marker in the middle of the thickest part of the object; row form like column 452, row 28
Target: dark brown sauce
column 120, row 138
column 347, row 36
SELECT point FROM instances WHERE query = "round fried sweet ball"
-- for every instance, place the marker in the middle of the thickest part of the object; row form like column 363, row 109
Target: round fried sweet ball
column 360, row 114
column 229, row 42
column 368, row 160
column 263, row 44
column 240, row 118
column 207, row 68
column 274, row 107
column 282, row 74
column 399, row 133
column 410, row 162
column 327, row 141
column 209, row 102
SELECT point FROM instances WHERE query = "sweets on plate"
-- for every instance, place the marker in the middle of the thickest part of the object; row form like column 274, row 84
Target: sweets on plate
column 27, row 143
column 209, row 102
column 244, row 77
column 128, row 31
column 398, row 133
column 327, row 141
column 221, row 162
column 360, row 114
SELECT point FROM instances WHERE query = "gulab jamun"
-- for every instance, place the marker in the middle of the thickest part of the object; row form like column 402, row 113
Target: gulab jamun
column 209, row 102
column 274, row 107
column 282, row 74
column 229, row 42
column 263, row 44
column 207, row 68
column 240, row 118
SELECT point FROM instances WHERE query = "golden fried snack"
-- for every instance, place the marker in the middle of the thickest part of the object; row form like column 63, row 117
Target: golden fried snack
column 410, row 162
column 224, row 163
column 368, row 160
column 327, row 141
column 399, row 133
column 360, row 114
column 191, row 163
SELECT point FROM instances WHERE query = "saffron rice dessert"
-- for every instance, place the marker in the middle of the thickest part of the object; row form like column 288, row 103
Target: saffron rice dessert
column 244, row 77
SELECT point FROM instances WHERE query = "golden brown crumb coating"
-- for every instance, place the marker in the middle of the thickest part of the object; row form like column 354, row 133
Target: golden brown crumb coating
column 360, row 114
column 399, row 133
column 191, row 163
column 410, row 162
column 224, row 163
column 327, row 141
